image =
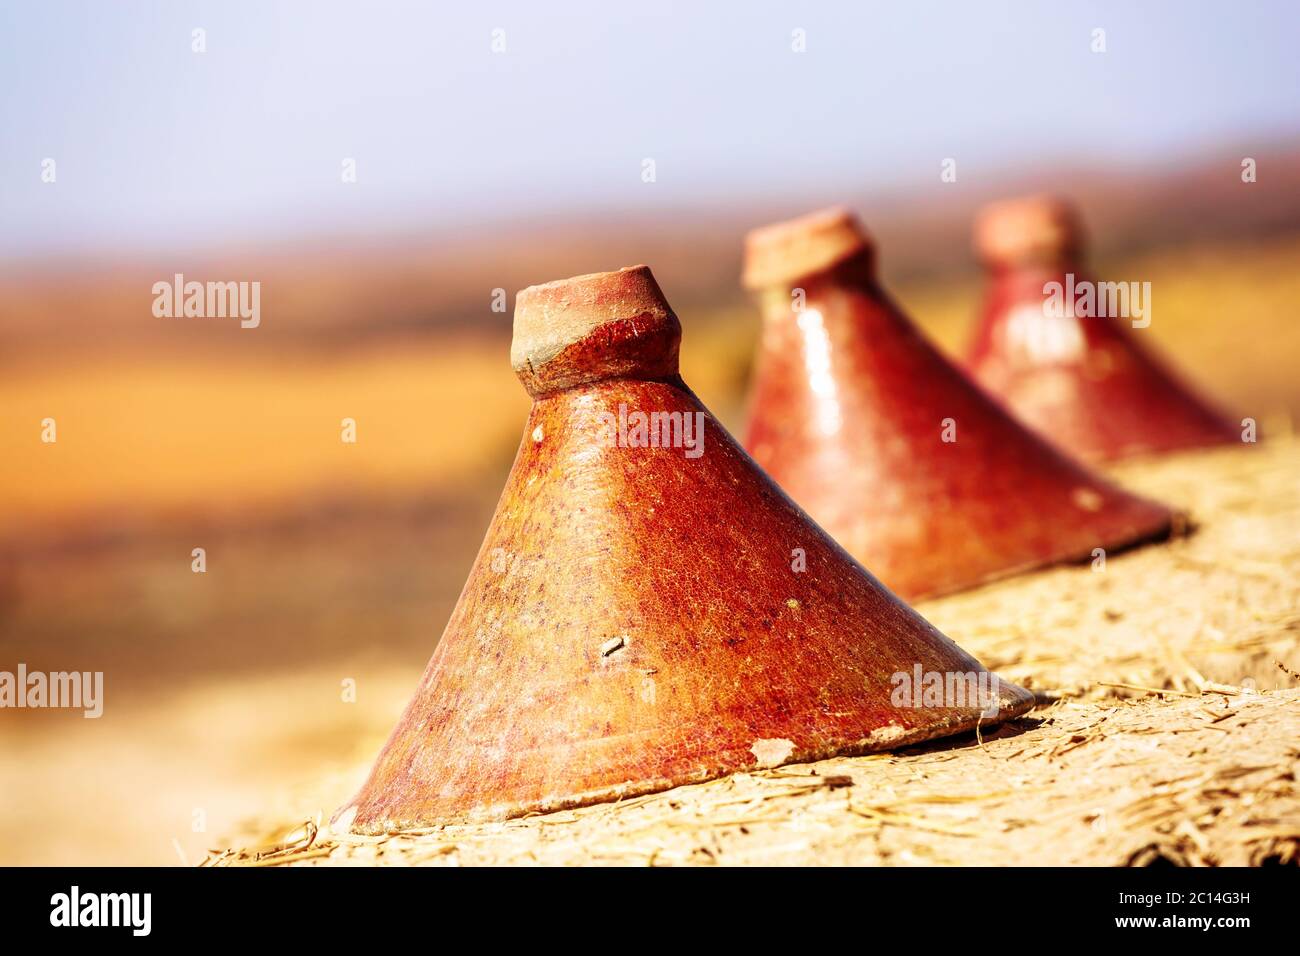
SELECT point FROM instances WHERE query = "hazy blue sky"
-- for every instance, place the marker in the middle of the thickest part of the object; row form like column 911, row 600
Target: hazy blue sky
column 154, row 143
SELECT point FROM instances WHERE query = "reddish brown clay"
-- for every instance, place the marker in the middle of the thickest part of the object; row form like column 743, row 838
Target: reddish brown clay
column 918, row 473
column 642, row 617
column 1088, row 383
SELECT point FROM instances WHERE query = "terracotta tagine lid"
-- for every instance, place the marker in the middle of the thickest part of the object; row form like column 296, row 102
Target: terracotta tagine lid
column 917, row 472
column 1086, row 380
column 648, row 609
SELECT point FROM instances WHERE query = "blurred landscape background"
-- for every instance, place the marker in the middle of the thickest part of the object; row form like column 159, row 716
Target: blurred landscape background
column 477, row 170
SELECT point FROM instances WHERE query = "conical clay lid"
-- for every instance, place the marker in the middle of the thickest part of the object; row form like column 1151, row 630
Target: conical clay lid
column 1084, row 379
column 647, row 612
column 919, row 474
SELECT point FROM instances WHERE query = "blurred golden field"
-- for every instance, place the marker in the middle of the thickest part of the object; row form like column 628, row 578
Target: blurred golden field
column 219, row 430
column 329, row 561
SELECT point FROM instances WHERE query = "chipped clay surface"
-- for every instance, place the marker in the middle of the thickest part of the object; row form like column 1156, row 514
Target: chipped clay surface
column 653, row 623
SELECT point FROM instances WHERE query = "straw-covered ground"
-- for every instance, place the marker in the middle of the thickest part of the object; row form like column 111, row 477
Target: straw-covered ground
column 1168, row 728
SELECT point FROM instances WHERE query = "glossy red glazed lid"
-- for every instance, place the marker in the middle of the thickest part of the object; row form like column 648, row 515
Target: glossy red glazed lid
column 916, row 471
column 1091, row 383
column 647, row 612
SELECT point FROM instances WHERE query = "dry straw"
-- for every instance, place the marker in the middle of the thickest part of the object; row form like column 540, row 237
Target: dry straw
column 1167, row 728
